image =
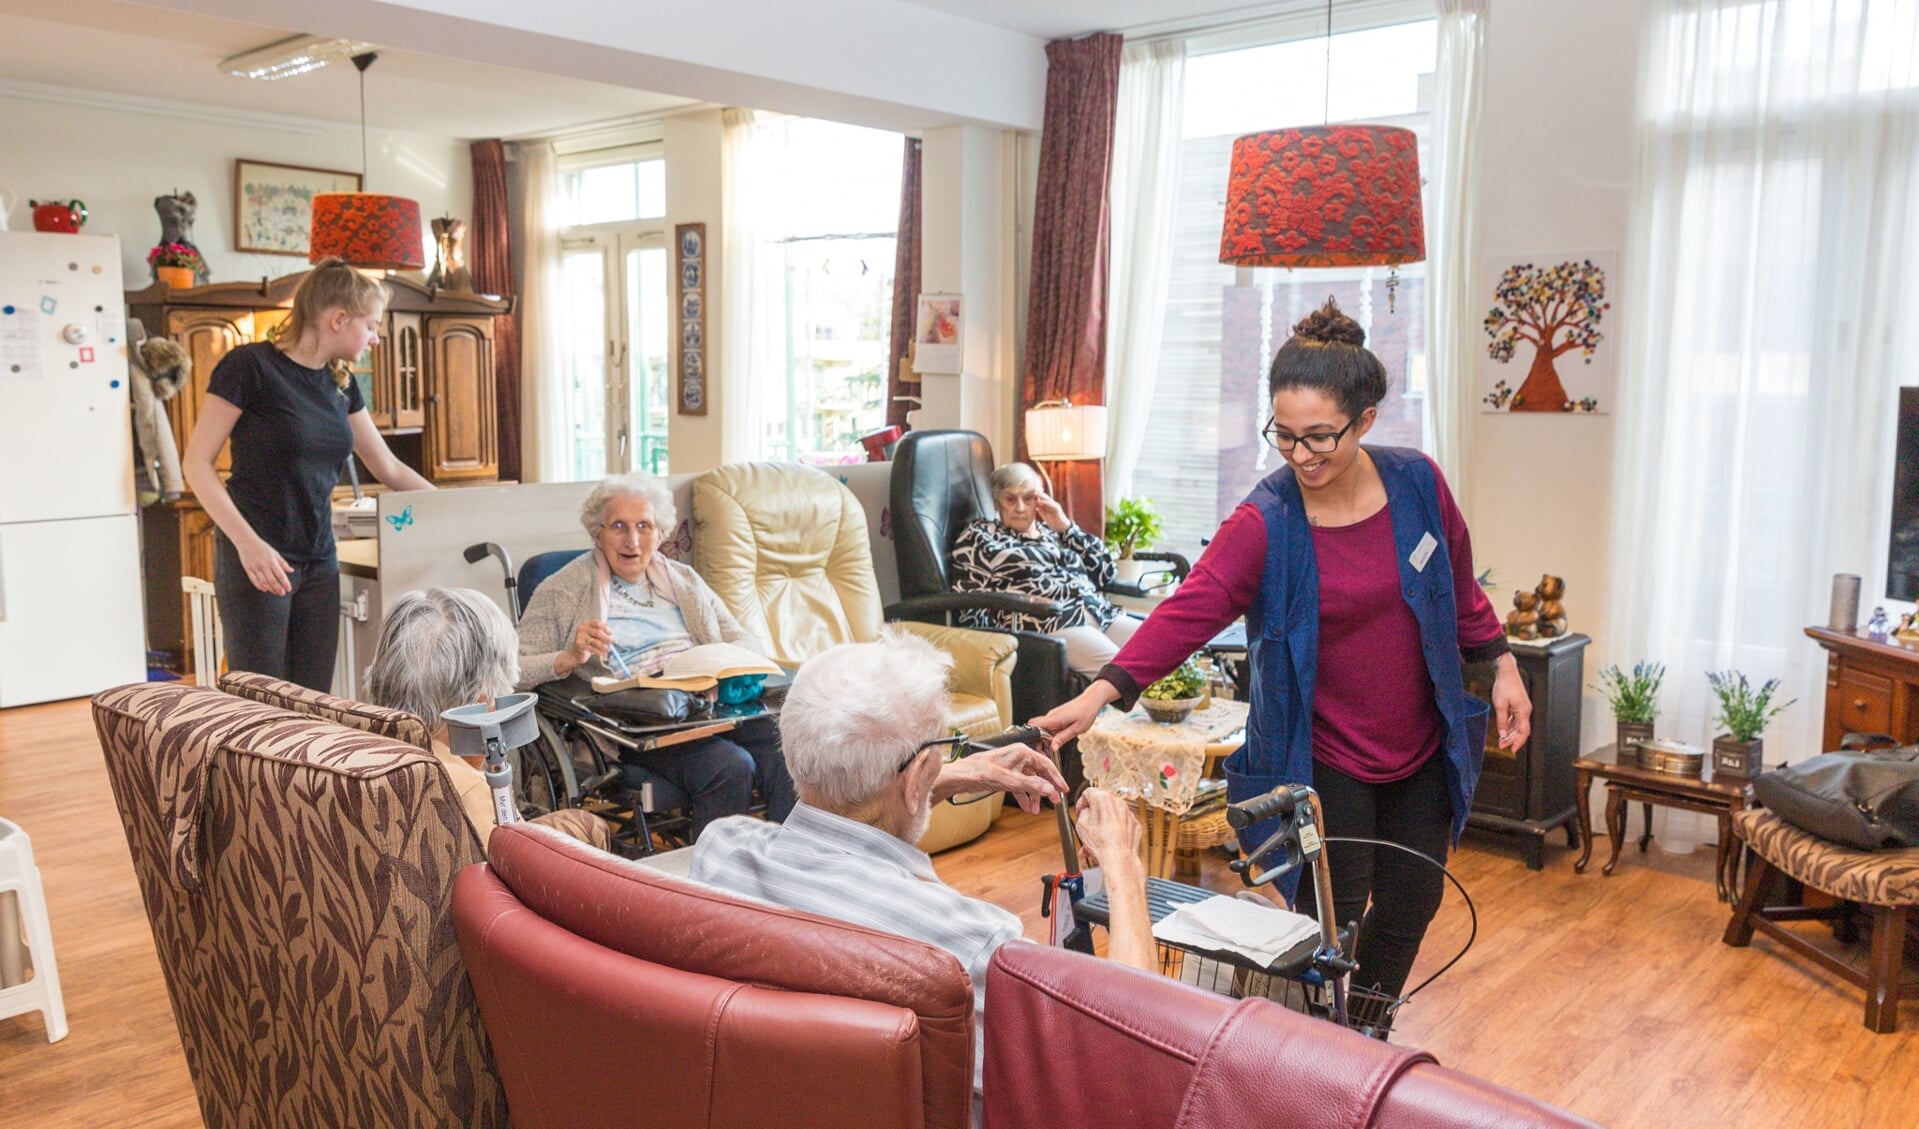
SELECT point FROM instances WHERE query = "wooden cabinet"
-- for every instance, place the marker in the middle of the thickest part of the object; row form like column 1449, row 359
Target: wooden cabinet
column 1872, row 686
column 1530, row 791
column 429, row 382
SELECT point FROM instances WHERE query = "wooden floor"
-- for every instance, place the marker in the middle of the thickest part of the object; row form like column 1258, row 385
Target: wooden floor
column 1611, row 996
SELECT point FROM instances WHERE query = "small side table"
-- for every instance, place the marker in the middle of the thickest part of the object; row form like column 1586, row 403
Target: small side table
column 1627, row 784
column 1159, row 767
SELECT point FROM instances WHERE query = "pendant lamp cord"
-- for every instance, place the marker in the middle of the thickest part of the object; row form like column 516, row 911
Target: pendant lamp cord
column 362, row 62
column 1325, row 110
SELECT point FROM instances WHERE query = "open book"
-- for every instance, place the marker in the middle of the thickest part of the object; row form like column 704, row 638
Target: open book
column 695, row 669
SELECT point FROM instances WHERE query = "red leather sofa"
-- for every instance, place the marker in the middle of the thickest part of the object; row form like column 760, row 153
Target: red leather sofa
column 1071, row 1040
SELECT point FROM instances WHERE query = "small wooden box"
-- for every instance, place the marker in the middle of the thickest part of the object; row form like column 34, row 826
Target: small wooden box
column 1741, row 759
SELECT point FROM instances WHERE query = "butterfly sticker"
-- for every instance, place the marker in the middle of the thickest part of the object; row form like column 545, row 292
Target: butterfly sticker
column 400, row 520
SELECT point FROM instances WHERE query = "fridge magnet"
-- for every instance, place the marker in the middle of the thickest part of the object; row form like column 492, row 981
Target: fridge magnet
column 689, row 248
column 1548, row 314
column 936, row 336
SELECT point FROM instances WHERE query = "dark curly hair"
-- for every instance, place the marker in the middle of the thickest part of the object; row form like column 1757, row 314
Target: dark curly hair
column 1327, row 352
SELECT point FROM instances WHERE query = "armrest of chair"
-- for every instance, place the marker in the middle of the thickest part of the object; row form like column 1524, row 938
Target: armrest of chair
column 943, row 603
column 982, row 660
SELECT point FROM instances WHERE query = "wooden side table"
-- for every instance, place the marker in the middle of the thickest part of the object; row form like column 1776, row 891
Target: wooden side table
column 1627, row 784
column 1159, row 767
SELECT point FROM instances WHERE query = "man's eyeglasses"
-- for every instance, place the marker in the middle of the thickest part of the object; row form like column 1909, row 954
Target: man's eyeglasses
column 620, row 529
column 1319, row 443
column 953, row 745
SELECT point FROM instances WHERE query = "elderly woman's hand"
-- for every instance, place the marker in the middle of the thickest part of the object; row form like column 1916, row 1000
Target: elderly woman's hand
column 592, row 639
column 1052, row 513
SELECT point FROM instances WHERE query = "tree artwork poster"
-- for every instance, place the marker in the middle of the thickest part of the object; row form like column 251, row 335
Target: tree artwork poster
column 1548, row 334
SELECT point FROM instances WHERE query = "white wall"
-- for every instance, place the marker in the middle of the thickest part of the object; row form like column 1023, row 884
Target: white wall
column 118, row 160
column 693, row 195
column 1558, row 156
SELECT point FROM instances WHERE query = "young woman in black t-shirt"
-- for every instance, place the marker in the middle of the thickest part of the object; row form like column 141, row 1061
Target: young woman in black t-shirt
column 293, row 420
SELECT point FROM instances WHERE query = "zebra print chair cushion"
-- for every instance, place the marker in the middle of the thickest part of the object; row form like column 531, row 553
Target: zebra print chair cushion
column 1877, row 878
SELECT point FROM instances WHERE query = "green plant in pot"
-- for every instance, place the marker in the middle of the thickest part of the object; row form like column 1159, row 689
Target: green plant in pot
column 1634, row 699
column 1745, row 711
column 1132, row 526
column 1174, row 697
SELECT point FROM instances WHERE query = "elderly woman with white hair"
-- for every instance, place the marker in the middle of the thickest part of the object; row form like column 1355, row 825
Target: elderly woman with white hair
column 1033, row 549
column 448, row 647
column 625, row 605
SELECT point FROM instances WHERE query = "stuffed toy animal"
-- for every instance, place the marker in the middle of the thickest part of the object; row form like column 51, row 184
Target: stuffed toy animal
column 1523, row 621
column 156, row 369
column 176, row 225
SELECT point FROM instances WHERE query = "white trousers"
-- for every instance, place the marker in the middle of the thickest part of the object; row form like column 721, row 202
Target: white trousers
column 1088, row 648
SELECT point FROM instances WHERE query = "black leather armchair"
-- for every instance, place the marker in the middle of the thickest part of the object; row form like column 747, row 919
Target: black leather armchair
column 941, row 482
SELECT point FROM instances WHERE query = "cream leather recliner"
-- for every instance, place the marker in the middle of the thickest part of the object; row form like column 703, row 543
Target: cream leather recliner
column 787, row 549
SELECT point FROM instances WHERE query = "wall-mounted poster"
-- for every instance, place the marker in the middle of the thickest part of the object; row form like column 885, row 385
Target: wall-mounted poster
column 273, row 204
column 1547, row 342
column 689, row 282
column 936, row 334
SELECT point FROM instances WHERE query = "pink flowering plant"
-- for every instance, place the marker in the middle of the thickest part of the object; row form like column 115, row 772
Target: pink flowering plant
column 176, row 255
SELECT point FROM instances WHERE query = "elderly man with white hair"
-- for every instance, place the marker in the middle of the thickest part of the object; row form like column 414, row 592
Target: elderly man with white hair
column 448, row 647
column 865, row 733
column 625, row 604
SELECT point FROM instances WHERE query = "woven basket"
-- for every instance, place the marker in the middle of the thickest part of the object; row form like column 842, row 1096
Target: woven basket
column 1204, row 831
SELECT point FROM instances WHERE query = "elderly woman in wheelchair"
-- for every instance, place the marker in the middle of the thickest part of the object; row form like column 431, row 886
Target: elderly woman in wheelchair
column 623, row 609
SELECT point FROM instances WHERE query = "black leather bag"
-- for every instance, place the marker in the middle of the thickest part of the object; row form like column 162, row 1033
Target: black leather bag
column 637, row 705
column 1865, row 800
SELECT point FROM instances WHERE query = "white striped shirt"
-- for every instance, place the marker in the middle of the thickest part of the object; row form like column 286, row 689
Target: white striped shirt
column 836, row 867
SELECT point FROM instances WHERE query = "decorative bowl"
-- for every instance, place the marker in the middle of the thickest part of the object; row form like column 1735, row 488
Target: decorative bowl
column 1169, row 711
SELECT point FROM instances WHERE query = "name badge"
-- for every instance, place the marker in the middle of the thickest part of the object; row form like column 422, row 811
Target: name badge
column 1423, row 552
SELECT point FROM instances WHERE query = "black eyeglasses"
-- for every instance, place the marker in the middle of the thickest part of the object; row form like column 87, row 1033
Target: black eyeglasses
column 1319, row 443
column 952, row 744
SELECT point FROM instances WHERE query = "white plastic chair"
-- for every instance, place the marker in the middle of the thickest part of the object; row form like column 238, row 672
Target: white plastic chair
column 209, row 653
column 21, row 899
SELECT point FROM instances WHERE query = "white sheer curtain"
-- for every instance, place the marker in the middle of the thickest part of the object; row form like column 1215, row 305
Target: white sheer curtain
column 752, row 361
column 545, row 435
column 1768, row 326
column 1145, row 187
column 1452, row 198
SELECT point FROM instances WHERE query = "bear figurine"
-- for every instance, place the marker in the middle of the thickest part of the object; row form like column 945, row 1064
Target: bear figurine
column 1552, row 613
column 1523, row 621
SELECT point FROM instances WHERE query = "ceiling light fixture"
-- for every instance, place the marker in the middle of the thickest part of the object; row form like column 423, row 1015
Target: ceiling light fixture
column 288, row 57
column 367, row 229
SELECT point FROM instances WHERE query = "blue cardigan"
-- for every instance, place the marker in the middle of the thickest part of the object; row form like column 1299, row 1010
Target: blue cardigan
column 1282, row 635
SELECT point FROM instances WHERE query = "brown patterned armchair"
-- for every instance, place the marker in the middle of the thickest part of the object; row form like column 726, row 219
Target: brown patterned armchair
column 297, row 875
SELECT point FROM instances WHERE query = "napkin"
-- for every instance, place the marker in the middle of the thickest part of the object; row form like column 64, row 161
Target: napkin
column 1260, row 933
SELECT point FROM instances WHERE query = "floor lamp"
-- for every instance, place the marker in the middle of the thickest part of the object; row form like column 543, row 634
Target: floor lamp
column 1060, row 431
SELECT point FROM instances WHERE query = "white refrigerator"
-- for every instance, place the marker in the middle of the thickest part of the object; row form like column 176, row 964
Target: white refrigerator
column 70, row 607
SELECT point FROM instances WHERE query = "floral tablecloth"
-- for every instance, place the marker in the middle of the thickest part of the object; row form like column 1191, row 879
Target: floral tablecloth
column 1139, row 758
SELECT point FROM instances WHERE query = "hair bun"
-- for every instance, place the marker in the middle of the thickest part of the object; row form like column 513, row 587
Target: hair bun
column 1327, row 324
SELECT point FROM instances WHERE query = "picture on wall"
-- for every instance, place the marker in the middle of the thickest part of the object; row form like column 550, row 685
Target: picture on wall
column 1548, row 346
column 273, row 204
column 689, row 281
column 936, row 335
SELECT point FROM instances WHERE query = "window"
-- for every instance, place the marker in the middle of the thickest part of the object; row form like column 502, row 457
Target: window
column 1224, row 323
column 627, row 188
column 836, row 223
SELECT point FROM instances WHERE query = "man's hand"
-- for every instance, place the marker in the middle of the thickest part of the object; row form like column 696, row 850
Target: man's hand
column 1109, row 832
column 1024, row 773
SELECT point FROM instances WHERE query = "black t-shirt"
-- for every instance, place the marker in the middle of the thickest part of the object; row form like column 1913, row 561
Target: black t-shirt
column 288, row 446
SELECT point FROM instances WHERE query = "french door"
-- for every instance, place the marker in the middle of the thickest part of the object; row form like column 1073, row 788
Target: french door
column 616, row 318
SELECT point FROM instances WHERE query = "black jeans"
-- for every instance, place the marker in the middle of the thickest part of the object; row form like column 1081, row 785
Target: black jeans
column 294, row 636
column 719, row 773
column 1404, row 891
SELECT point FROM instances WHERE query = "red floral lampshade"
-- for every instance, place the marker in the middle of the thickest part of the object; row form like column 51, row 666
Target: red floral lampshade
column 368, row 230
column 1324, row 196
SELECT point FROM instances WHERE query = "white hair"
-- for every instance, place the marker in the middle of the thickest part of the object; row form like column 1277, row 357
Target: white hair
column 1008, row 475
column 856, row 711
column 441, row 648
column 635, row 485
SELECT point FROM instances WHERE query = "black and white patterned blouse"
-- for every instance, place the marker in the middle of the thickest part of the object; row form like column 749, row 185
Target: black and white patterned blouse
column 1068, row 568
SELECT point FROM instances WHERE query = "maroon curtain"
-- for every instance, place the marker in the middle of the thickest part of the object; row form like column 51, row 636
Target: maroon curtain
column 906, row 286
column 492, row 268
column 1066, row 316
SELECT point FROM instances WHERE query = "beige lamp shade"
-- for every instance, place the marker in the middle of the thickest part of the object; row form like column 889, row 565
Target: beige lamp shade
column 1058, row 430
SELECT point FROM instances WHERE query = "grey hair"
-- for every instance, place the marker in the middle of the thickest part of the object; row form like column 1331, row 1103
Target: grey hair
column 1008, row 475
column 441, row 648
column 635, row 485
column 854, row 713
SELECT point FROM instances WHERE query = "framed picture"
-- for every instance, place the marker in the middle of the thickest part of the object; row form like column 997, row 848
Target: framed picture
column 273, row 204
column 1548, row 330
column 689, row 299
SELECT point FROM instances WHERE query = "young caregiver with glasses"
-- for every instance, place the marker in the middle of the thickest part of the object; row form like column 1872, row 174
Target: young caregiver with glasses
column 1353, row 568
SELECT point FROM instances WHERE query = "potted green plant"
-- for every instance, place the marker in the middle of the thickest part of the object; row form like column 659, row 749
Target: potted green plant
column 1132, row 525
column 1174, row 697
column 1745, row 712
column 1634, row 699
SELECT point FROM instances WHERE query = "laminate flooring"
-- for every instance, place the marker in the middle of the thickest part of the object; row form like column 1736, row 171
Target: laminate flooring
column 1612, row 996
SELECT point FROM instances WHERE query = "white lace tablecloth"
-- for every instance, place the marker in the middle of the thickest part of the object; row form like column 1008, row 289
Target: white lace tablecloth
column 1139, row 758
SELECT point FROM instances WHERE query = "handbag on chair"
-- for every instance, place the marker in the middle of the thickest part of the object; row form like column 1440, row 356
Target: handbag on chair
column 1864, row 799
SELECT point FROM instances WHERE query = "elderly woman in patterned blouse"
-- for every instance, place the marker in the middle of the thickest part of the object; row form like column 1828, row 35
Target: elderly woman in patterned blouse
column 1033, row 549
